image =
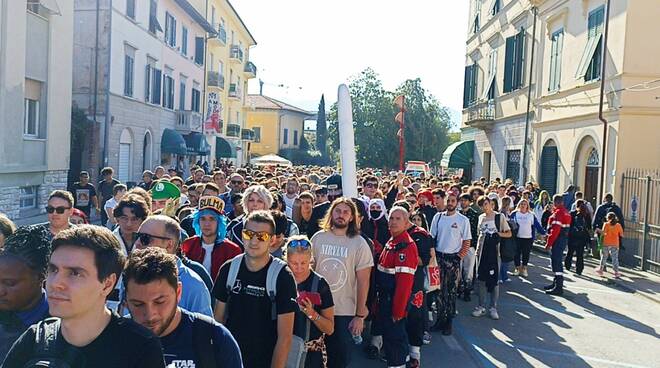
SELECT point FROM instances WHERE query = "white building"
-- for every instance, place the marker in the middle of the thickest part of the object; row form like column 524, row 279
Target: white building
column 36, row 40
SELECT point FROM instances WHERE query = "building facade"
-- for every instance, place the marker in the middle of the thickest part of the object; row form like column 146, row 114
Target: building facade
column 276, row 125
column 228, row 69
column 36, row 50
column 565, row 142
column 145, row 60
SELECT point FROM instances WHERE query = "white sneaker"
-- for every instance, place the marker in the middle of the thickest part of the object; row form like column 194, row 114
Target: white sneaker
column 479, row 311
column 524, row 272
column 493, row 313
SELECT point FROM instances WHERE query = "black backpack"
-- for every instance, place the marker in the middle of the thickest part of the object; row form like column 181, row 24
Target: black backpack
column 203, row 328
column 50, row 349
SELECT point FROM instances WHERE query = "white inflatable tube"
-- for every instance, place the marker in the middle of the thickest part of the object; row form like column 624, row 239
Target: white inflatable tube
column 347, row 143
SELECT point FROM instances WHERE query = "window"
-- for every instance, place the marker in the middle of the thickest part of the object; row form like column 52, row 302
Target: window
column 489, row 88
column 257, row 134
column 476, row 25
column 470, row 85
column 152, row 83
column 497, row 6
column 31, row 120
column 168, row 92
column 555, row 60
column 213, row 16
column 196, row 97
column 590, row 63
column 485, row 172
column 513, row 165
column 182, row 93
column 285, row 139
column 221, row 68
column 170, row 30
column 514, row 62
column 28, row 197
column 184, row 41
column 128, row 75
column 154, row 25
column 199, row 50
column 295, row 137
column 130, row 9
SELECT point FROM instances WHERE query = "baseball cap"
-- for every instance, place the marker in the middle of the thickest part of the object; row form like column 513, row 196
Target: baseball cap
column 164, row 190
column 333, row 182
column 212, row 203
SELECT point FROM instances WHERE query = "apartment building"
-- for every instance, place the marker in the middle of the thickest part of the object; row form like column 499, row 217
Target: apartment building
column 145, row 60
column 558, row 46
column 36, row 51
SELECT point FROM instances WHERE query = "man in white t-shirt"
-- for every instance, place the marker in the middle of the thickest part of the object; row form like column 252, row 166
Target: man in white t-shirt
column 292, row 188
column 451, row 231
column 344, row 259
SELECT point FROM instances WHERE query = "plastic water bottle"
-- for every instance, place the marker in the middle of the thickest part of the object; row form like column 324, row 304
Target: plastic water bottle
column 357, row 339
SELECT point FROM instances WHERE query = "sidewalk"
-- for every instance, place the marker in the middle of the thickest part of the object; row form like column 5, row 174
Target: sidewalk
column 645, row 284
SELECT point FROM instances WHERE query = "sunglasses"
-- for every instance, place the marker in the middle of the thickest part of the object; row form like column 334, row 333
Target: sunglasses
column 371, row 185
column 261, row 235
column 235, row 182
column 145, row 238
column 299, row 243
column 60, row 210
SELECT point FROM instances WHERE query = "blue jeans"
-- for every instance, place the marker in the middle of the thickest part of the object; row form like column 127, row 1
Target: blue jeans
column 340, row 343
column 504, row 267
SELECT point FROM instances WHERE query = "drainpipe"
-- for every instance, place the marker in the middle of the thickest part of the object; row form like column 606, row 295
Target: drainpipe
column 108, row 118
column 96, row 75
column 529, row 100
column 600, row 105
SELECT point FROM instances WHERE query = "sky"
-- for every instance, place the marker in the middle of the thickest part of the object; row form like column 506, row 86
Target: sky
column 306, row 48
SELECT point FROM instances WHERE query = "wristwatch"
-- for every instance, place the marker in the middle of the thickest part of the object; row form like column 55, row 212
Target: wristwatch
column 318, row 317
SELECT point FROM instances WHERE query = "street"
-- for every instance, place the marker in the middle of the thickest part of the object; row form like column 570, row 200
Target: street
column 595, row 324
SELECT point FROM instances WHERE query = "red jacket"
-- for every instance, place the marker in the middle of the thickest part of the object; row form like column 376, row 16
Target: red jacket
column 396, row 270
column 222, row 252
column 559, row 222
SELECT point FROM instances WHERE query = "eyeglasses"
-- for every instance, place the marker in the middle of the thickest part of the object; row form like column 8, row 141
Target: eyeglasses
column 371, row 185
column 261, row 235
column 145, row 239
column 236, row 182
column 299, row 243
column 60, row 210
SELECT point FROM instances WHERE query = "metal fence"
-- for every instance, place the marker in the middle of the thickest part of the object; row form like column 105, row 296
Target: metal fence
column 640, row 203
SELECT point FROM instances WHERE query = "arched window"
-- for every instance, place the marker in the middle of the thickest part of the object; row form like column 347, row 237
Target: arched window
column 593, row 159
column 146, row 151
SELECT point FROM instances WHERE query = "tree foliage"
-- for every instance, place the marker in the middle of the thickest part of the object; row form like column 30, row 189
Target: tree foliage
column 321, row 129
column 377, row 145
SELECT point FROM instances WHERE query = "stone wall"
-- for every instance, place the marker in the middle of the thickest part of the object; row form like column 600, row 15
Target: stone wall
column 10, row 196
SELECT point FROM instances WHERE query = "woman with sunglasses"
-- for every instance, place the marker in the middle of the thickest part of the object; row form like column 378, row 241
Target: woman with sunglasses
column 315, row 302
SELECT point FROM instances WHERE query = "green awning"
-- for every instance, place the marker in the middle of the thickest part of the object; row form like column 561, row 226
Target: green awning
column 173, row 142
column 458, row 155
column 197, row 144
column 224, row 148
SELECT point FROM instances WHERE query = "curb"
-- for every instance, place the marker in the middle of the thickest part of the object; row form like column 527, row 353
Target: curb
column 541, row 249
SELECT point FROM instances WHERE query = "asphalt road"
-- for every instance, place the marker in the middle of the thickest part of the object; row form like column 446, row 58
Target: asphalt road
column 595, row 324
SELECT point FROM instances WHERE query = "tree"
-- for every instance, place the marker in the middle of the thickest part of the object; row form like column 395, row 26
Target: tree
column 321, row 129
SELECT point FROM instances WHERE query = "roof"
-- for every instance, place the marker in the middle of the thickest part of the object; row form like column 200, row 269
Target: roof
column 194, row 14
column 254, row 42
column 269, row 103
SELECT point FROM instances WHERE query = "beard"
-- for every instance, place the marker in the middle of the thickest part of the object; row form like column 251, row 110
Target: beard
column 338, row 225
column 450, row 208
column 166, row 323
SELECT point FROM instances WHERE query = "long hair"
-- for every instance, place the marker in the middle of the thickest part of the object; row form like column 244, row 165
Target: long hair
column 353, row 226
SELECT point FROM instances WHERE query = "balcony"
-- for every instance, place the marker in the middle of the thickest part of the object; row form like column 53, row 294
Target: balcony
column 215, row 79
column 220, row 38
column 250, row 69
column 235, row 91
column 236, row 54
column 247, row 135
column 233, row 130
column 188, row 121
column 481, row 115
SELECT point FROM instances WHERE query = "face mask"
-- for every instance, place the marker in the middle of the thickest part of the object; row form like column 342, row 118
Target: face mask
column 374, row 214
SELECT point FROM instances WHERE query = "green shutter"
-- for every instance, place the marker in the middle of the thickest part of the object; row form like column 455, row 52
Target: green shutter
column 466, row 86
column 508, row 64
column 519, row 68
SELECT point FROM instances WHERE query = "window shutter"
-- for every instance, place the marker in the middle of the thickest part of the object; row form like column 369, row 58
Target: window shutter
column 520, row 60
column 560, row 46
column 474, row 82
column 199, row 50
column 155, row 94
column 508, row 64
column 147, row 83
column 466, row 86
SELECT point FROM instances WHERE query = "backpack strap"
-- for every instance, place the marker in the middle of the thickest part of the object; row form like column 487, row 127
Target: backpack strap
column 234, row 267
column 498, row 218
column 314, row 289
column 202, row 338
column 271, row 283
column 49, row 345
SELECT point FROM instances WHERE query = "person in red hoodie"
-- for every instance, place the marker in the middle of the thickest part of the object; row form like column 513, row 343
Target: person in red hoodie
column 559, row 225
column 210, row 247
column 394, row 282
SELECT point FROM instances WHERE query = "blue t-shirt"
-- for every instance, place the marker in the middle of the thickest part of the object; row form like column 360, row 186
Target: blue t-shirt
column 178, row 346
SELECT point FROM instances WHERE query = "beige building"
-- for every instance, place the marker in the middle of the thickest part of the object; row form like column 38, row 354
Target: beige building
column 36, row 51
column 565, row 138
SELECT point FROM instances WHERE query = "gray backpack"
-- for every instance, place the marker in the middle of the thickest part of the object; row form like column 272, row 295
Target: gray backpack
column 50, row 349
column 271, row 280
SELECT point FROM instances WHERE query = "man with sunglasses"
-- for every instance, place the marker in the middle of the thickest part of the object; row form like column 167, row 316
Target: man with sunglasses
column 59, row 210
column 236, row 186
column 262, row 324
column 370, row 186
column 164, row 232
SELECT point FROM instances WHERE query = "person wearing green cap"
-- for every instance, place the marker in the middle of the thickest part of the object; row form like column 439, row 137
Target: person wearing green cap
column 161, row 192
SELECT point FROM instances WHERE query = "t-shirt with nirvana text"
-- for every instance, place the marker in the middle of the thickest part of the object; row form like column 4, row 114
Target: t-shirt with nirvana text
column 123, row 343
column 178, row 347
column 249, row 310
column 338, row 258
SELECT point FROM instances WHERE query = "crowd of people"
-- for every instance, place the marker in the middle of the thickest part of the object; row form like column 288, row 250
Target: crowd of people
column 274, row 267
